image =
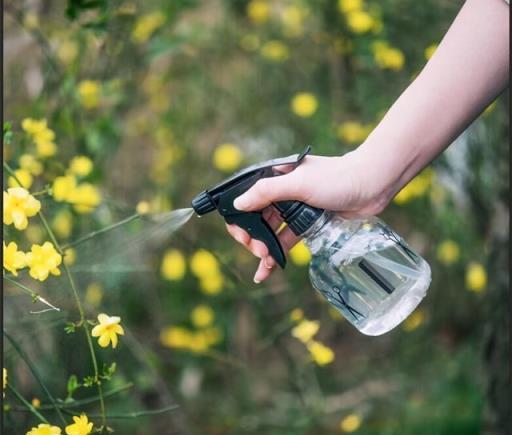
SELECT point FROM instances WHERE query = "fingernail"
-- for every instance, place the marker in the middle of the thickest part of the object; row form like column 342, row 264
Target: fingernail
column 256, row 281
column 241, row 203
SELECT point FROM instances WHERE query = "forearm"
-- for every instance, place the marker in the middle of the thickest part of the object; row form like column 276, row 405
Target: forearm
column 468, row 70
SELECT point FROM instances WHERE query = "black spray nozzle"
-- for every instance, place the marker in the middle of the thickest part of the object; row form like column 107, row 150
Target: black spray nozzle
column 203, row 204
column 298, row 215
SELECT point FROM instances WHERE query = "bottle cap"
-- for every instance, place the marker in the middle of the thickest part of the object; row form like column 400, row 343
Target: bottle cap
column 298, row 215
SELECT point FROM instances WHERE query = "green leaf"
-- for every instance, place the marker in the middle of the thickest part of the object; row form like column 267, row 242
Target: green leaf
column 7, row 132
column 72, row 386
column 70, row 328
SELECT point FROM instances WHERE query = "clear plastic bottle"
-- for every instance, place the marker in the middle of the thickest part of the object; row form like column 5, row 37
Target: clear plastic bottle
column 366, row 271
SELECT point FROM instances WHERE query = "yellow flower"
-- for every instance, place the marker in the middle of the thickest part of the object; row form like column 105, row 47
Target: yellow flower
column 275, row 51
column 35, row 233
column 448, row 252
column 359, row 21
column 476, row 277
column 107, row 330
column 36, row 403
column 414, row 320
column 304, row 104
column 417, row 187
column 346, row 6
column 13, row 259
column 204, row 339
column 173, row 265
column 202, row 316
column 19, row 205
column 175, row 336
column 350, row 423
column 203, row 263
column 67, row 51
column 89, row 92
column 146, row 25
column 63, row 223
column 258, row 11
column 69, row 256
column 81, row 426
column 227, row 157
column 63, row 188
column 212, row 284
column 80, row 166
column 85, row 198
column 429, row 51
column 353, row 132
column 23, row 176
column 44, row 429
column 296, row 314
column 306, row 330
column 293, row 20
column 320, row 353
column 142, row 207
column 182, row 338
column 211, row 335
column 42, row 136
column 300, row 254
column 4, row 376
column 43, row 260
column 387, row 57
column 31, row 164
column 93, row 294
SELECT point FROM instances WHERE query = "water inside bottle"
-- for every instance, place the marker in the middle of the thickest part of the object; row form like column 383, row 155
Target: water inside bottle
column 370, row 275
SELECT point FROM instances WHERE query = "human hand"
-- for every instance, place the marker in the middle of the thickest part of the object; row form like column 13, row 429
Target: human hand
column 348, row 184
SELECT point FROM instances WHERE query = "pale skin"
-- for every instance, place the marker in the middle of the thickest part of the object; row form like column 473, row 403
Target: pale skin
column 469, row 69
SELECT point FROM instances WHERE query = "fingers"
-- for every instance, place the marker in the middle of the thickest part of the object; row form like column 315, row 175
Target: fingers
column 268, row 190
column 263, row 271
column 267, row 264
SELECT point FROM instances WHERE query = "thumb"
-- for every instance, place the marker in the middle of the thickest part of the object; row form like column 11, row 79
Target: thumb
column 268, row 190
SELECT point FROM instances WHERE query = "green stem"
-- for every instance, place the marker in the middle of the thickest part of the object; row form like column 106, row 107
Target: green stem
column 28, row 405
column 89, row 343
column 87, row 401
column 35, row 295
column 50, row 233
column 32, row 368
column 11, row 173
column 78, row 303
column 134, row 414
column 98, row 232
column 41, row 192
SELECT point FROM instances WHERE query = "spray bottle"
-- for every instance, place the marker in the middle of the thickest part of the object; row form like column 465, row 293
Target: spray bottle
column 361, row 266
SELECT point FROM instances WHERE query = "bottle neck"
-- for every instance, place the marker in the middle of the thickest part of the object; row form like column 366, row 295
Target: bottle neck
column 316, row 229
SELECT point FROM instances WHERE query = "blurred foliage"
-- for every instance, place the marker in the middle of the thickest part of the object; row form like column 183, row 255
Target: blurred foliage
column 124, row 107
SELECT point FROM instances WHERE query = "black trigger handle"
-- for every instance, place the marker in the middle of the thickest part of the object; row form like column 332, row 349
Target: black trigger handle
column 259, row 229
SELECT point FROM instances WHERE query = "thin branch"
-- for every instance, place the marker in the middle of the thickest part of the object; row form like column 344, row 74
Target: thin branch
column 87, row 401
column 98, row 232
column 134, row 414
column 28, row 405
column 35, row 295
column 35, row 373
column 78, row 303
